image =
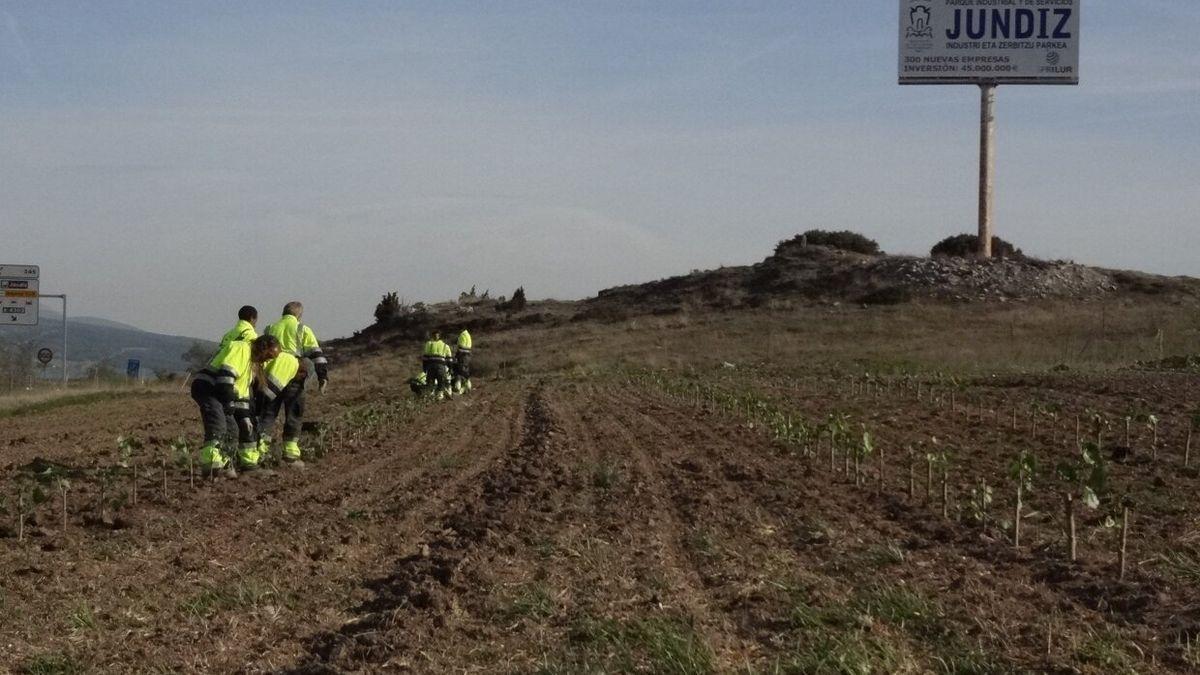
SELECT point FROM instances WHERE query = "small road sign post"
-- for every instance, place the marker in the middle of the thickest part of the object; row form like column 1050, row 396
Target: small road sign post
column 45, row 356
column 989, row 43
column 19, row 295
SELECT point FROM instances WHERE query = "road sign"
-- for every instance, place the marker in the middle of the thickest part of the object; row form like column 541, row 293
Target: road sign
column 45, row 356
column 989, row 41
column 19, row 295
column 132, row 367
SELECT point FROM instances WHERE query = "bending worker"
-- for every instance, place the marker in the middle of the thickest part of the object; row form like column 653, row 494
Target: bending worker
column 224, row 386
column 243, row 330
column 298, row 340
column 283, row 382
column 434, row 359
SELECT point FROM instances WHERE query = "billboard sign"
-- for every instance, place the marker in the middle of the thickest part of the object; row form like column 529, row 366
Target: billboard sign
column 19, row 295
column 989, row 41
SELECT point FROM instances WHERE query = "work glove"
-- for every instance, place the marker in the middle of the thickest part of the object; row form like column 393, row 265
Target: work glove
column 321, row 385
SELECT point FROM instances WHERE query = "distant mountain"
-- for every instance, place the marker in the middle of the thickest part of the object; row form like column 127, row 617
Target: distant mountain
column 93, row 340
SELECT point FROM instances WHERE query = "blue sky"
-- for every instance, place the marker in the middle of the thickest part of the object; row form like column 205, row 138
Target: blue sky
column 167, row 162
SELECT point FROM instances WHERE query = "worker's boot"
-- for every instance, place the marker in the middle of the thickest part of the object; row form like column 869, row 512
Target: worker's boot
column 247, row 457
column 212, row 462
column 292, row 455
column 264, row 450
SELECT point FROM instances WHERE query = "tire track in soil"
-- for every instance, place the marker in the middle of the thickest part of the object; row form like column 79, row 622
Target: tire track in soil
column 995, row 571
column 168, row 566
column 415, row 606
column 654, row 531
column 370, row 545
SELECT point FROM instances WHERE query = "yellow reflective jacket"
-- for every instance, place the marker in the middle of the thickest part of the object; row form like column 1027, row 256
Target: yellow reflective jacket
column 231, row 367
column 243, row 331
column 298, row 340
column 436, row 351
column 464, row 341
column 279, row 371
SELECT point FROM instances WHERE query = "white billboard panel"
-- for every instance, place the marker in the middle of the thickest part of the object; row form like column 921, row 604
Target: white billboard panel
column 989, row 41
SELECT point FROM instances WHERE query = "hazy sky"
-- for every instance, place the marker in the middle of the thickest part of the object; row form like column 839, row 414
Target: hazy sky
column 165, row 162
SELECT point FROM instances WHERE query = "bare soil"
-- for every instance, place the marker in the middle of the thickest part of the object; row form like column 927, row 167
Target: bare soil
column 593, row 522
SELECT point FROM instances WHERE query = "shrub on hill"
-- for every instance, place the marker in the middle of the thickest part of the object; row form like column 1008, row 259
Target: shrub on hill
column 516, row 304
column 965, row 246
column 843, row 240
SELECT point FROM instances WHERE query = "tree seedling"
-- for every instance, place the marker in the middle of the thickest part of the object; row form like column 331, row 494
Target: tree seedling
column 981, row 501
column 1087, row 478
column 1022, row 471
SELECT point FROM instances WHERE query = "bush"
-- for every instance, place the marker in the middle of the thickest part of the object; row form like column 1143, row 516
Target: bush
column 389, row 309
column 966, row 246
column 516, row 304
column 843, row 240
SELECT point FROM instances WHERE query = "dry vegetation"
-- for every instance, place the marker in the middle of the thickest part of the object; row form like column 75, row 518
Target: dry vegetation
column 649, row 495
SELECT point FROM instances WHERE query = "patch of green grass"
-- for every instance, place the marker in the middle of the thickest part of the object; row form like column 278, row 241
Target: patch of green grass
column 1182, row 563
column 239, row 594
column 69, row 400
column 882, row 628
column 605, row 476
column 451, row 461
column 532, row 601
column 851, row 653
column 665, row 646
column 55, row 663
column 357, row 515
column 1106, row 650
column 83, row 618
column 902, row 607
column 703, row 542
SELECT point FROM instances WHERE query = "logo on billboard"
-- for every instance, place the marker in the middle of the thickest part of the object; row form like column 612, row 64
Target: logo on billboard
column 919, row 25
column 1053, row 58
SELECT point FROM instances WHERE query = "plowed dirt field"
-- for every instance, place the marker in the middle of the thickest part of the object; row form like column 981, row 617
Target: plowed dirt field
column 606, row 522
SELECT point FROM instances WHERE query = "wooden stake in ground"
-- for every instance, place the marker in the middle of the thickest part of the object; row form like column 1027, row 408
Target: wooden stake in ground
column 1077, row 428
column 912, row 475
column 1124, row 541
column 1187, row 447
column 928, row 479
column 879, row 486
column 945, row 493
column 1071, row 525
column 163, row 462
column 20, row 515
column 1017, row 511
column 62, row 488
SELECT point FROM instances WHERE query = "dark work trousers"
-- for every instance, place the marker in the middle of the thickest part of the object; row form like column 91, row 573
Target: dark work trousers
column 462, row 364
column 212, row 411
column 435, row 375
column 290, row 402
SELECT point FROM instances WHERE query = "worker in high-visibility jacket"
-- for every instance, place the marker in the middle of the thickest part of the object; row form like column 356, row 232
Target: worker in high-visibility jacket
column 278, row 390
column 462, row 363
column 224, row 386
column 298, row 340
column 243, row 330
column 418, row 382
column 434, row 358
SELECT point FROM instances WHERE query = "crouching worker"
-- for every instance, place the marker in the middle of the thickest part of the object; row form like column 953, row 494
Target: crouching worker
column 418, row 383
column 224, row 385
column 282, row 386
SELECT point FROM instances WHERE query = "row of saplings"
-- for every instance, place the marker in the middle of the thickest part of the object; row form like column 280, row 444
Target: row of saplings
column 851, row 451
column 46, row 486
